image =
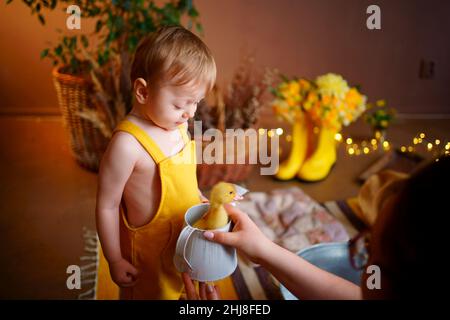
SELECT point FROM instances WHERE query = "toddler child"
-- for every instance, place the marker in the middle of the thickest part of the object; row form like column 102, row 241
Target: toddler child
column 147, row 177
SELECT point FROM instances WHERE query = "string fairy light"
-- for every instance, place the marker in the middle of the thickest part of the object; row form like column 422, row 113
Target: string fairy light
column 366, row 147
column 419, row 141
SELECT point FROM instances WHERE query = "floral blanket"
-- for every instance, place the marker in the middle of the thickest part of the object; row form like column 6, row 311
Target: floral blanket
column 292, row 219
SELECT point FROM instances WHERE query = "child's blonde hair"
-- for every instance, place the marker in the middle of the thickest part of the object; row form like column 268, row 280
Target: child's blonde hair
column 173, row 55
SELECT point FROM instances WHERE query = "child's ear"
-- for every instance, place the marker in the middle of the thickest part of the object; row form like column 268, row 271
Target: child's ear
column 141, row 90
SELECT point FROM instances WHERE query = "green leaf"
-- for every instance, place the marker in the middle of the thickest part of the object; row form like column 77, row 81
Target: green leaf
column 84, row 41
column 44, row 53
column 74, row 65
column 99, row 25
column 193, row 13
column 110, row 21
column 111, row 37
column 118, row 23
column 183, row 4
column 132, row 43
column 199, row 28
column 284, row 78
column 58, row 50
column 102, row 58
column 127, row 5
column 73, row 43
column 41, row 19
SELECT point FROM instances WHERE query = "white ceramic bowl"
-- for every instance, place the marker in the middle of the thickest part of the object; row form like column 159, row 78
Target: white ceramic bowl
column 332, row 257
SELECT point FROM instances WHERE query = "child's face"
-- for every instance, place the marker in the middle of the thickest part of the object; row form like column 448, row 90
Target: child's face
column 170, row 106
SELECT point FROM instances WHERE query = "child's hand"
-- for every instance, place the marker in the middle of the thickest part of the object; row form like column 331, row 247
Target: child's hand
column 206, row 291
column 246, row 235
column 123, row 273
column 203, row 199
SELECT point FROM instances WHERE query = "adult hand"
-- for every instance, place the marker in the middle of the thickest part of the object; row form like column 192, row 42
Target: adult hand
column 246, row 236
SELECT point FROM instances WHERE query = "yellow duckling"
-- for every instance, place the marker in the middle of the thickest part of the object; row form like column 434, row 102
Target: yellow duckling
column 216, row 216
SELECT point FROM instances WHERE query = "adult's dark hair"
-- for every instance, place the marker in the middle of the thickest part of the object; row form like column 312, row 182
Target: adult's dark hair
column 410, row 237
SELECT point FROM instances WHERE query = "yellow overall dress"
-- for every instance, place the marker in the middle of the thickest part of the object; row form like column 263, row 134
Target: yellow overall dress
column 150, row 248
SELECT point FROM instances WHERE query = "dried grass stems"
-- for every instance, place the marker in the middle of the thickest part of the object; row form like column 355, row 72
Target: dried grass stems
column 108, row 93
column 241, row 103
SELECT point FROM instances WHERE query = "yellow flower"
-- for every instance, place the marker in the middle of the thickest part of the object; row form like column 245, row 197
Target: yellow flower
column 294, row 87
column 381, row 103
column 329, row 101
column 353, row 97
column 333, row 85
column 312, row 96
column 304, row 84
column 291, row 101
column 326, row 99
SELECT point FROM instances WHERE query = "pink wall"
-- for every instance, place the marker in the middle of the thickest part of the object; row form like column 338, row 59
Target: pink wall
column 299, row 37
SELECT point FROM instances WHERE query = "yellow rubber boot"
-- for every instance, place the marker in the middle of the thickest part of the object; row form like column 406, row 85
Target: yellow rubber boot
column 289, row 168
column 318, row 166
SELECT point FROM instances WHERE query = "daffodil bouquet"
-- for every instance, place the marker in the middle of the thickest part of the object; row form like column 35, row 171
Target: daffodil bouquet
column 329, row 101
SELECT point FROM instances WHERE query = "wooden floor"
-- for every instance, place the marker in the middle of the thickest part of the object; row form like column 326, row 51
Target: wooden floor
column 46, row 198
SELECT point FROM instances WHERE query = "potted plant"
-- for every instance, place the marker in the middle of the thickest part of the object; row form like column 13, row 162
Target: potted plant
column 379, row 117
column 91, row 74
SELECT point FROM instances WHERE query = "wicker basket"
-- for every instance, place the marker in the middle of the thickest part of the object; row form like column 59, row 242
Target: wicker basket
column 87, row 143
